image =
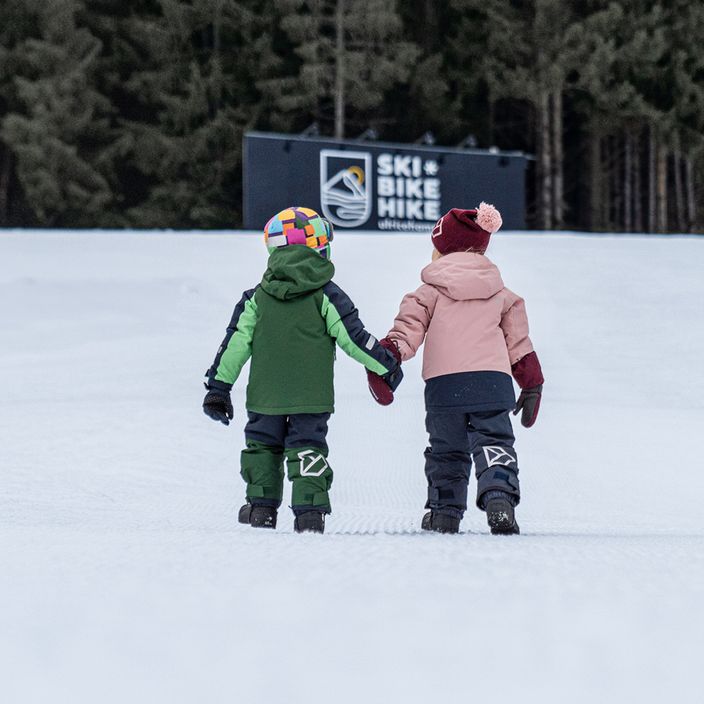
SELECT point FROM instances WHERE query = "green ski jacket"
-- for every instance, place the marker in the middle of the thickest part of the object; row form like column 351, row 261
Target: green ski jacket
column 289, row 325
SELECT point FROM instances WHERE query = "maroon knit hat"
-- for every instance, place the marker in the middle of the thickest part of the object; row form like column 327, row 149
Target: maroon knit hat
column 466, row 230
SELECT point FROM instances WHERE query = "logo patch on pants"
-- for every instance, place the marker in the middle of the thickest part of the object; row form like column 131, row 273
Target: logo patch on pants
column 495, row 454
column 313, row 464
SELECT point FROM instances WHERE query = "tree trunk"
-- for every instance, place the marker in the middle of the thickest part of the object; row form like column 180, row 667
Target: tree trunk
column 217, row 77
column 607, row 182
column 595, row 178
column 545, row 189
column 430, row 22
column 5, row 174
column 558, row 159
column 628, row 183
column 661, row 197
column 340, row 69
column 680, row 214
column 652, row 210
column 615, row 168
column 637, row 186
column 490, row 121
column 217, row 28
column 689, row 187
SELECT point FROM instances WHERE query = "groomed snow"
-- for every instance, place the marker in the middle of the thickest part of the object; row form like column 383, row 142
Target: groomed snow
column 124, row 576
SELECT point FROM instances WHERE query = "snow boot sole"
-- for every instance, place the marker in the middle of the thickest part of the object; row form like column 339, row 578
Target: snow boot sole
column 440, row 523
column 309, row 522
column 501, row 517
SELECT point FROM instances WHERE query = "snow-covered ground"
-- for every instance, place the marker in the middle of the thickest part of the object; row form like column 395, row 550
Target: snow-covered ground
column 124, row 576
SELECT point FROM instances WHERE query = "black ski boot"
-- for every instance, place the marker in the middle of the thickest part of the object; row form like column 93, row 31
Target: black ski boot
column 258, row 516
column 440, row 522
column 500, row 514
column 309, row 522
column 244, row 514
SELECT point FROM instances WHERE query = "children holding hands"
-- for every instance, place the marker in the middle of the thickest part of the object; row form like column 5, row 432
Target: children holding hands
column 475, row 332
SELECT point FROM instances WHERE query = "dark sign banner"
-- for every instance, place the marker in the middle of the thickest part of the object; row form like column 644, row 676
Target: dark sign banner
column 375, row 185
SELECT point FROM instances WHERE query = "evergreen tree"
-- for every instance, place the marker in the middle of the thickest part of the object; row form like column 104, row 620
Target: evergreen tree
column 684, row 28
column 191, row 101
column 350, row 53
column 426, row 101
column 56, row 129
column 618, row 48
column 115, row 113
column 16, row 25
column 526, row 56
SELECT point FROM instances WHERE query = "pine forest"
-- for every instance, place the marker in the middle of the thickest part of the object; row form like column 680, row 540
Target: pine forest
column 131, row 114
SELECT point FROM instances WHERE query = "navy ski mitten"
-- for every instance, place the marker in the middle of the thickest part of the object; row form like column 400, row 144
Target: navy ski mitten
column 218, row 406
column 382, row 387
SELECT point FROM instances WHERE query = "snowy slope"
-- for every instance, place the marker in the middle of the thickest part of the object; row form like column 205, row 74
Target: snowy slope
column 125, row 578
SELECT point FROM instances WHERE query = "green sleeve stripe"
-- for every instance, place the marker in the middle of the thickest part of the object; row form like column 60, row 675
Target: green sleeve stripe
column 239, row 348
column 338, row 332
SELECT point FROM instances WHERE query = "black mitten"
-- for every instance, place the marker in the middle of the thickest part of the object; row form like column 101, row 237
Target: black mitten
column 218, row 406
column 529, row 403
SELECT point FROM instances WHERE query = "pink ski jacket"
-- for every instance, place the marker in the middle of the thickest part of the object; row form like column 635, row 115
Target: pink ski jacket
column 469, row 320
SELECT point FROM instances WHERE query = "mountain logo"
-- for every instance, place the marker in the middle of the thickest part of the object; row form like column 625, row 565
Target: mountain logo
column 345, row 187
column 313, row 464
column 495, row 454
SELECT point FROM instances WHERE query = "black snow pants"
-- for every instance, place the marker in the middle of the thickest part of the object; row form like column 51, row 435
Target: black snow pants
column 457, row 439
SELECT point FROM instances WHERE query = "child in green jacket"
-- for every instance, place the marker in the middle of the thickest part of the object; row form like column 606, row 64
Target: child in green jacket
column 289, row 325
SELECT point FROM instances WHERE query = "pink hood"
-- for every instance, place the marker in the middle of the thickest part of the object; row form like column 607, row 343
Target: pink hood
column 463, row 276
column 468, row 319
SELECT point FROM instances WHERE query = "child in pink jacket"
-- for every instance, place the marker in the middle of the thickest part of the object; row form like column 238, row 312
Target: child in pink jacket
column 476, row 338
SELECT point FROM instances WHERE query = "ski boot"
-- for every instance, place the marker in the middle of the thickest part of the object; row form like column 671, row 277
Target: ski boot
column 440, row 522
column 500, row 514
column 258, row 516
column 309, row 522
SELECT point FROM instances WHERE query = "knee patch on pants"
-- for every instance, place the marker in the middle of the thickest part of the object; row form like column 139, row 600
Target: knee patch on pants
column 262, row 467
column 311, row 476
column 497, row 470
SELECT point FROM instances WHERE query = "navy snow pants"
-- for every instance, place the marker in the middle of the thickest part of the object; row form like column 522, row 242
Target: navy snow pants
column 299, row 441
column 458, row 439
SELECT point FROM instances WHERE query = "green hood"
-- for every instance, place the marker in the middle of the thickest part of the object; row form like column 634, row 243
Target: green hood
column 294, row 271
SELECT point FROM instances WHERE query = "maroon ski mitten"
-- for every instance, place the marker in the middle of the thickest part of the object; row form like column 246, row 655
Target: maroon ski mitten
column 529, row 376
column 381, row 387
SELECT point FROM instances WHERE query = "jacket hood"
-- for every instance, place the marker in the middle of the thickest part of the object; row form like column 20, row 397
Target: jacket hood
column 464, row 276
column 294, row 271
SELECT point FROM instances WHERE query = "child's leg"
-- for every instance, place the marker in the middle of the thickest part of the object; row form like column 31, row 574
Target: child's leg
column 447, row 462
column 491, row 439
column 263, row 461
column 306, row 459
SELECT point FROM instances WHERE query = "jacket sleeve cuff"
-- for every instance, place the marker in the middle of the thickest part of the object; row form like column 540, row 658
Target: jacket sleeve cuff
column 406, row 351
column 212, row 383
column 527, row 371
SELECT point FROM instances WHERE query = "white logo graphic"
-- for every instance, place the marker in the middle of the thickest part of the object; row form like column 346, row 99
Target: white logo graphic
column 495, row 454
column 345, row 187
column 309, row 460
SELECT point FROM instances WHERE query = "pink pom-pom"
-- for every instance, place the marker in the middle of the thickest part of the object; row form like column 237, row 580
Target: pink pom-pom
column 488, row 217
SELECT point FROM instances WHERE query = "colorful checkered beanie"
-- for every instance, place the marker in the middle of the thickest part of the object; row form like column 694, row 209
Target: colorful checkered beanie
column 299, row 226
